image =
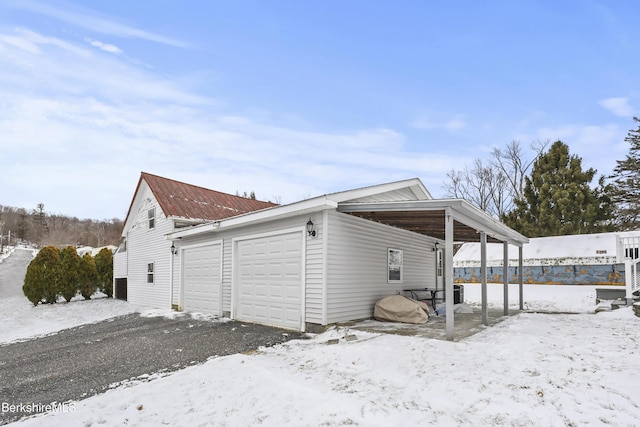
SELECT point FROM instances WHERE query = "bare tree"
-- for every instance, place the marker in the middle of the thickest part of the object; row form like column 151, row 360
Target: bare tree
column 493, row 187
column 513, row 163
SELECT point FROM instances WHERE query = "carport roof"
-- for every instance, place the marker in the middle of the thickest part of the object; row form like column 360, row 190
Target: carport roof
column 428, row 217
column 403, row 204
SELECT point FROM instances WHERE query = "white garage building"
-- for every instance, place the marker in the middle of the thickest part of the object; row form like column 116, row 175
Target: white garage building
column 319, row 261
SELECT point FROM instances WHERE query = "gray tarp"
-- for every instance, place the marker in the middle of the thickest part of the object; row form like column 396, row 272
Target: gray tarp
column 398, row 308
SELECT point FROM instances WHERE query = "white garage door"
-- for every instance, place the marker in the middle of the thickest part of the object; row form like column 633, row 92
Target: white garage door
column 201, row 279
column 269, row 280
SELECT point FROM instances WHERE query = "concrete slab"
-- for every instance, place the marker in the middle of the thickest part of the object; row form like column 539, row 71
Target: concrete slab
column 465, row 325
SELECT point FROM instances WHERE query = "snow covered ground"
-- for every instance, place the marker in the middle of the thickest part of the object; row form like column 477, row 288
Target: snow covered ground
column 531, row 369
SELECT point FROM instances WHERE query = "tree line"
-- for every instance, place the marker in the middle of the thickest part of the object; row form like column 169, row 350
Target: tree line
column 40, row 228
column 546, row 191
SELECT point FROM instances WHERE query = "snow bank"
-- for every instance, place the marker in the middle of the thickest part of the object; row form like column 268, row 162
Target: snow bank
column 531, row 369
column 19, row 319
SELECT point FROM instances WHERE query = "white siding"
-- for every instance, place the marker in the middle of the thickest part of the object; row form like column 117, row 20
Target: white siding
column 398, row 195
column 145, row 246
column 345, row 264
column 313, row 266
column 357, row 265
column 120, row 260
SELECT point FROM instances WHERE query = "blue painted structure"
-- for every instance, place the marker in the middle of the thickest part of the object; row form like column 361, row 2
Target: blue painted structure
column 598, row 274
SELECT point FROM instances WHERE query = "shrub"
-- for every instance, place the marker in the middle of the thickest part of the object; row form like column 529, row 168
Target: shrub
column 69, row 272
column 104, row 265
column 41, row 279
column 88, row 277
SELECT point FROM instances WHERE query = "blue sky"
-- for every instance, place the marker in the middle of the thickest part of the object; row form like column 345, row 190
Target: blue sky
column 293, row 99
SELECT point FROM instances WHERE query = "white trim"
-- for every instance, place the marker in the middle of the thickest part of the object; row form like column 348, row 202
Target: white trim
column 325, row 266
column 390, row 259
column 303, row 251
column 219, row 242
column 358, row 193
column 271, row 214
column 171, row 260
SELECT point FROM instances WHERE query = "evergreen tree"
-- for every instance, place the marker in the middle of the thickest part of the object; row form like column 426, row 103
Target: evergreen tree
column 23, row 226
column 88, row 277
column 104, row 265
column 41, row 279
column 626, row 184
column 558, row 199
column 40, row 222
column 69, row 273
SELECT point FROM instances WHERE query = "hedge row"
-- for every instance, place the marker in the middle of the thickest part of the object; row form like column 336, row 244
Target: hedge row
column 56, row 273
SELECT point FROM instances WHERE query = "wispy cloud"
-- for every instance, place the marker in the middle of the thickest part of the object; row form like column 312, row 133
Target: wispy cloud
column 79, row 125
column 428, row 122
column 598, row 146
column 90, row 20
column 618, row 106
column 104, row 46
column 53, row 66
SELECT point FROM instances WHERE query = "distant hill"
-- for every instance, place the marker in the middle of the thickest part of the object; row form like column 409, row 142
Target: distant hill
column 41, row 228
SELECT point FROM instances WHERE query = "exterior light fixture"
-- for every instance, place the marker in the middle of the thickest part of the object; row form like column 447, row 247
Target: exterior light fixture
column 174, row 250
column 310, row 229
column 435, row 246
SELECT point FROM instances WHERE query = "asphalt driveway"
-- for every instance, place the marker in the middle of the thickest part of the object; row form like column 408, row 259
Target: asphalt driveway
column 83, row 361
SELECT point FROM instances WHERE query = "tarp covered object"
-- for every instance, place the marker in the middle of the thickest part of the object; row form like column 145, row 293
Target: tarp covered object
column 398, row 308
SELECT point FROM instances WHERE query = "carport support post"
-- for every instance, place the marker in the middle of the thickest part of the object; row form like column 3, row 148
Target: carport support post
column 505, row 276
column 448, row 263
column 520, row 280
column 483, row 277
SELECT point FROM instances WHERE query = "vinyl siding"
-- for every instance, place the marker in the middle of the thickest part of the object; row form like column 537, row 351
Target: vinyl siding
column 120, row 261
column 145, row 246
column 357, row 265
column 313, row 258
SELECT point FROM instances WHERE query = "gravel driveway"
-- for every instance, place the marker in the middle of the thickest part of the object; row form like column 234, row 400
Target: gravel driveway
column 80, row 362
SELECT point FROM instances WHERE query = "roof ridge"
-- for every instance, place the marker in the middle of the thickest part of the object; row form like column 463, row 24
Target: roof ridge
column 201, row 187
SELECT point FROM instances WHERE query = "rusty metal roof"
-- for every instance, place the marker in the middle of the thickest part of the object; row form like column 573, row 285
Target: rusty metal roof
column 180, row 200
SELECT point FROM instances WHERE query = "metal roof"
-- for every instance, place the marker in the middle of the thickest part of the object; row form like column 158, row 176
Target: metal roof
column 185, row 201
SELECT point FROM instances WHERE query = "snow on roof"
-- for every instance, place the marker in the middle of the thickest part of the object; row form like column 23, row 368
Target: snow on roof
column 600, row 248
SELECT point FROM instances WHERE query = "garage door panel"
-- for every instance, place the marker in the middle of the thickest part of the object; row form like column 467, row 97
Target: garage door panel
column 270, row 280
column 201, row 279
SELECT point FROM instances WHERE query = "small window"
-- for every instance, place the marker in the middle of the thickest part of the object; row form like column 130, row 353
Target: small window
column 150, row 272
column 152, row 217
column 394, row 263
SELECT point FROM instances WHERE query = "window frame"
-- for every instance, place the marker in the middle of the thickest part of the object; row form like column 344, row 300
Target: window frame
column 151, row 218
column 395, row 265
column 151, row 273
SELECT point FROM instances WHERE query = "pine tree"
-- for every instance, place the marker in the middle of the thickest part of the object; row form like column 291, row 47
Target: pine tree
column 40, row 222
column 558, row 199
column 69, row 272
column 104, row 265
column 41, row 279
column 626, row 184
column 88, row 277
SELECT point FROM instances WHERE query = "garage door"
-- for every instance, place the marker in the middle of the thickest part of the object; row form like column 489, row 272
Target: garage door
column 269, row 280
column 201, row 279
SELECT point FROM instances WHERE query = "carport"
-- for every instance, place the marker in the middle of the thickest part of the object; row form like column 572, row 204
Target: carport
column 452, row 221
